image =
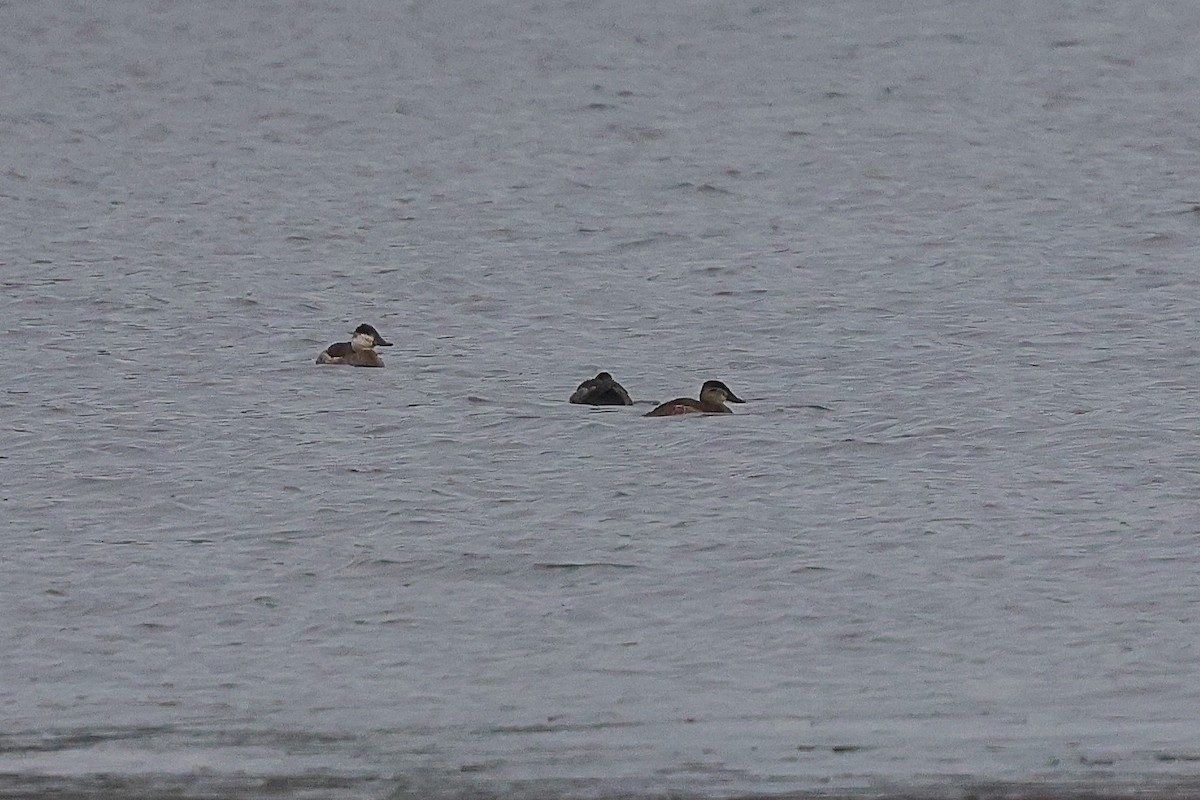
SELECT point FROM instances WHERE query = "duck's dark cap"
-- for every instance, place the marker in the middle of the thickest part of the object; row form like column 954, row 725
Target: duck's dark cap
column 729, row 395
column 369, row 330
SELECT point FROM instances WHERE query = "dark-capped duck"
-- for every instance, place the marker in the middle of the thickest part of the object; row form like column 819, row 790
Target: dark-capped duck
column 358, row 352
column 601, row 390
column 713, row 396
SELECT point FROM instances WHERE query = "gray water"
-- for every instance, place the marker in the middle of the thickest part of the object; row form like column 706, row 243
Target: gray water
column 946, row 250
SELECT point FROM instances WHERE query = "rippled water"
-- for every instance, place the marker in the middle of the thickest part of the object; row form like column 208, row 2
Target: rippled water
column 946, row 250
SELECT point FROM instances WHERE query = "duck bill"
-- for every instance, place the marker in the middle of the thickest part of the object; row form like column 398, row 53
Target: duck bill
column 380, row 342
column 733, row 398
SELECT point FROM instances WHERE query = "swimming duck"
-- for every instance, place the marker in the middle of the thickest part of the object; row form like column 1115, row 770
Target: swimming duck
column 358, row 352
column 601, row 390
column 713, row 396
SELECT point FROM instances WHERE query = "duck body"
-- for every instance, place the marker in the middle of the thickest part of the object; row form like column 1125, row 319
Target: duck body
column 358, row 352
column 713, row 397
column 601, row 390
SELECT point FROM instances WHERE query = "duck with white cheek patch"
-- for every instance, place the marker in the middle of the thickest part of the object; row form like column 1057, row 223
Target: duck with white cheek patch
column 358, row 352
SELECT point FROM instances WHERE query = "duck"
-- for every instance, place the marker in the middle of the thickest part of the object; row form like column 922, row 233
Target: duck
column 358, row 352
column 713, row 396
column 601, row 390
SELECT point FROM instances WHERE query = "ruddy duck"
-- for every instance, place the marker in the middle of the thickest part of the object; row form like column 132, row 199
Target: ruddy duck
column 601, row 390
column 713, row 396
column 358, row 352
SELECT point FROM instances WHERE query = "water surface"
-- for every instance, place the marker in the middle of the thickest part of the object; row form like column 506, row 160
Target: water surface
column 946, row 251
